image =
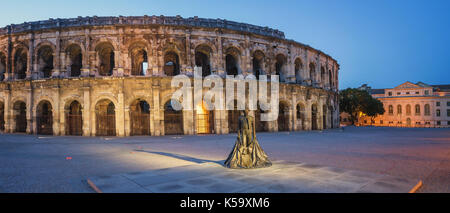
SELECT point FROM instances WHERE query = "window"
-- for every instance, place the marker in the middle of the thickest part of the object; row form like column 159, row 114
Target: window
column 418, row 122
column 399, row 122
column 408, row 109
column 407, row 93
column 417, row 92
column 398, row 93
column 427, row 109
column 399, row 109
column 427, row 92
column 427, row 123
column 448, row 112
column 438, row 123
column 438, row 103
column 448, row 103
column 438, row 112
column 390, row 93
column 448, row 122
column 417, row 109
column 391, row 122
column 381, row 121
column 391, row 110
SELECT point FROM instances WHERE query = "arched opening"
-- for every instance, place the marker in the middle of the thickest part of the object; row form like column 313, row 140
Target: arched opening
column 74, row 119
column 330, row 79
column 399, row 109
column 2, row 66
column 139, row 61
column 298, row 69
column 408, row 121
column 300, row 114
column 20, row 116
column 427, row 109
column 105, row 52
column 312, row 72
column 231, row 65
column 44, row 118
column 105, row 118
column 260, row 126
column 20, row 63
column 202, row 56
column 233, row 118
column 204, row 119
column 283, row 117
column 314, row 117
column 280, row 66
column 417, row 109
column 324, row 117
column 2, row 116
column 140, row 118
column 322, row 76
column 258, row 59
column 45, row 61
column 173, row 120
column 171, row 64
column 75, row 57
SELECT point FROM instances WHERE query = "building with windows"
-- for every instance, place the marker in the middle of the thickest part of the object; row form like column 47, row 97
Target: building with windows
column 411, row 105
column 112, row 75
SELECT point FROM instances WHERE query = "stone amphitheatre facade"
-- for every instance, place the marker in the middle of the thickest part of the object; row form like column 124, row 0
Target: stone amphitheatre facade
column 96, row 76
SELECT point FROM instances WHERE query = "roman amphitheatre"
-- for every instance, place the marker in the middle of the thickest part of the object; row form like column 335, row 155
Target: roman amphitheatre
column 111, row 76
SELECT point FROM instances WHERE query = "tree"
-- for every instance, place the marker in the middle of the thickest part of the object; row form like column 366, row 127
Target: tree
column 353, row 101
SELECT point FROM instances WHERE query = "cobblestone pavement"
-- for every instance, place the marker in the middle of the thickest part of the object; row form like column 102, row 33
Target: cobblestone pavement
column 30, row 163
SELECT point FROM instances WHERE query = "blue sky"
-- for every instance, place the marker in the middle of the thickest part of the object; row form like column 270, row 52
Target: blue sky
column 381, row 42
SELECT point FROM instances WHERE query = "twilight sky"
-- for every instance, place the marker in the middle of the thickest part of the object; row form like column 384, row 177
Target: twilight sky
column 382, row 43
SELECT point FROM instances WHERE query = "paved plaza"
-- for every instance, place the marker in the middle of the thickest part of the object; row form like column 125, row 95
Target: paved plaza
column 357, row 159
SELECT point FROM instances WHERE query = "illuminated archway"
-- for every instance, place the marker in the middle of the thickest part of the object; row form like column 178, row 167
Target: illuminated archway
column 204, row 119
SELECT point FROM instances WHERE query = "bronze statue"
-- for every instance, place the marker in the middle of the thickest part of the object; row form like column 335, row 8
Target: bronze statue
column 246, row 152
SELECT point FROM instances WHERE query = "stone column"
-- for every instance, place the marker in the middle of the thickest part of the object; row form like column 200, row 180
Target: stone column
column 57, row 58
column 86, row 55
column 87, row 127
column 8, row 114
column 158, row 122
column 56, row 111
column 31, row 74
column 127, row 120
column 31, row 123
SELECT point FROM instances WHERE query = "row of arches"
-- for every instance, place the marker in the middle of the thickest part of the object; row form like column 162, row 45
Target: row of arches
column 105, row 118
column 138, row 54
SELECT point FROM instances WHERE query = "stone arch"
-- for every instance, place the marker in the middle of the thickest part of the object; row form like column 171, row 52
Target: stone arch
column 232, row 60
column 258, row 64
column 173, row 120
column 203, row 56
column 204, row 119
column 280, row 66
column 312, row 71
column 298, row 67
column 283, row 116
column 2, row 65
column 408, row 109
column 74, row 58
column 20, row 63
column 300, row 111
column 138, row 53
column 322, row 75
column 106, row 58
column 44, row 118
column 19, row 112
column 105, row 115
column 140, row 117
column 74, row 117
